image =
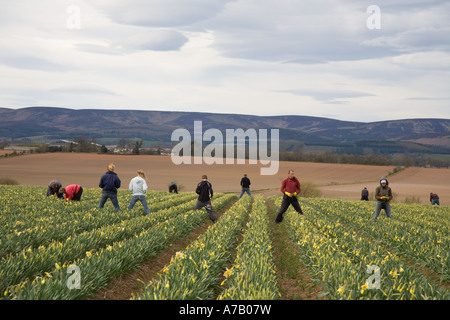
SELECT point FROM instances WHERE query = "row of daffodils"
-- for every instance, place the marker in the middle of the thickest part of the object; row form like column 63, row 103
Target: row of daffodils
column 253, row 274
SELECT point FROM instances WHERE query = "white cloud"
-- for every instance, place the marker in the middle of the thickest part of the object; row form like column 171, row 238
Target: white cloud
column 157, row 40
column 241, row 56
column 160, row 13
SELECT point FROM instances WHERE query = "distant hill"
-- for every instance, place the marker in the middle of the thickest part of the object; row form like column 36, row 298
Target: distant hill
column 44, row 124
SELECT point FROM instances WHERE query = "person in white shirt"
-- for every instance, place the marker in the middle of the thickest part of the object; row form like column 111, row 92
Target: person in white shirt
column 138, row 186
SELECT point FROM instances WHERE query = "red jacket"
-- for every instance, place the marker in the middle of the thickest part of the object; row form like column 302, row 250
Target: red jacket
column 290, row 185
column 71, row 190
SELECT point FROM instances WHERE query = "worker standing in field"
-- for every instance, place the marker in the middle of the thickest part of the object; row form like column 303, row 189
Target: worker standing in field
column 53, row 188
column 434, row 198
column 138, row 186
column 205, row 193
column 290, row 187
column 245, row 184
column 72, row 192
column 365, row 194
column 109, row 183
column 383, row 195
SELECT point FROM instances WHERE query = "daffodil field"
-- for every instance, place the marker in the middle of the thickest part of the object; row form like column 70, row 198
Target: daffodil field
column 193, row 273
column 353, row 257
column 53, row 249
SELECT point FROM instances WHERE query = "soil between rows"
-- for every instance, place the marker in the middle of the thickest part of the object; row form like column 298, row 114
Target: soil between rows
column 294, row 279
column 124, row 286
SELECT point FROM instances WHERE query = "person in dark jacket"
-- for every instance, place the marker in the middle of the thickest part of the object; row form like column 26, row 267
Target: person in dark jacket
column 365, row 194
column 245, row 184
column 434, row 198
column 290, row 187
column 53, row 188
column 173, row 187
column 383, row 195
column 109, row 182
column 205, row 193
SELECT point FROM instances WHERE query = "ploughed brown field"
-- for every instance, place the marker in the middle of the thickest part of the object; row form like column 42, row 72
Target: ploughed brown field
column 342, row 181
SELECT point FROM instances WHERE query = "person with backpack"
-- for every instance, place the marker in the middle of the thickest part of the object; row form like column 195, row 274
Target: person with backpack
column 138, row 186
column 109, row 183
column 205, row 193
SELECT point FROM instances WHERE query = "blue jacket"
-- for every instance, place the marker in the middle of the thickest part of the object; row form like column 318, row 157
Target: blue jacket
column 245, row 182
column 110, row 182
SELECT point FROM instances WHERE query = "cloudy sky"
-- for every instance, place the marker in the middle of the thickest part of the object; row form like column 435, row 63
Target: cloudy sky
column 341, row 59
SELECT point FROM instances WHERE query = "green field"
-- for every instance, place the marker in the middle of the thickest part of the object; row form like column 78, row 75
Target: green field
column 52, row 249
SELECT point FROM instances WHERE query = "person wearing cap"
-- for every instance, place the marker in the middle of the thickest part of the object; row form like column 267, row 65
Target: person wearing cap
column 205, row 193
column 434, row 198
column 383, row 195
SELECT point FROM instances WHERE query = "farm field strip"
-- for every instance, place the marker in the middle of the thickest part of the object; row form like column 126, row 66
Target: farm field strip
column 193, row 273
column 340, row 259
column 101, row 266
column 82, row 221
column 424, row 218
column 61, row 250
column 253, row 275
column 34, row 262
column 428, row 246
column 27, row 209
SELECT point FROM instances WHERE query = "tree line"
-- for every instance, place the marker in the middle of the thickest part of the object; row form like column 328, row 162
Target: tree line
column 406, row 160
column 130, row 146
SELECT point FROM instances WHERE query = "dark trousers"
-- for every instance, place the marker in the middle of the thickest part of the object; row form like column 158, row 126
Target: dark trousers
column 209, row 209
column 287, row 201
column 77, row 196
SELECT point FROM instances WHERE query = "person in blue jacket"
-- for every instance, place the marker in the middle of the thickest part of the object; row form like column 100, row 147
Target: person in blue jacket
column 109, row 183
column 245, row 184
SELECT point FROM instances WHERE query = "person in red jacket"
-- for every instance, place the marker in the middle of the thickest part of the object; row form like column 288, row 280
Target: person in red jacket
column 290, row 187
column 72, row 192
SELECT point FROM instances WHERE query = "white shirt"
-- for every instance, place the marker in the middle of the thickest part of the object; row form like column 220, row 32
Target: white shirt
column 138, row 186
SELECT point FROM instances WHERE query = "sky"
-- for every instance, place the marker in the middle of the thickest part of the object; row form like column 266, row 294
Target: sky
column 350, row 60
